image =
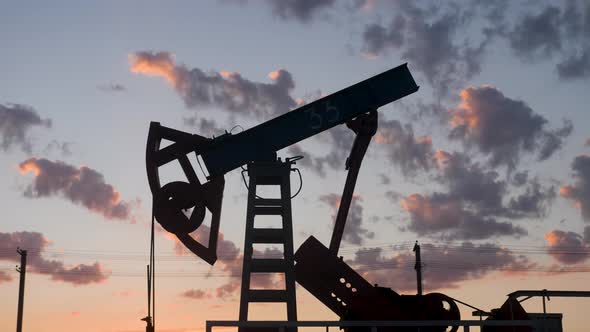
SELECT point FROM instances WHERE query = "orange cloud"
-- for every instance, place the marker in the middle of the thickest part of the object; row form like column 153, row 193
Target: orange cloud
column 387, row 136
column 275, row 74
column 228, row 74
column 466, row 113
column 157, row 64
column 369, row 56
column 417, row 203
column 424, row 140
column 81, row 185
column 567, row 247
column 432, row 214
column 569, row 192
column 29, row 166
column 381, row 138
column 441, row 158
column 565, row 191
column 228, row 90
column 552, row 238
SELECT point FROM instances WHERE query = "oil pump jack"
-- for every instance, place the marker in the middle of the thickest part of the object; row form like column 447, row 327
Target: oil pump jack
column 314, row 266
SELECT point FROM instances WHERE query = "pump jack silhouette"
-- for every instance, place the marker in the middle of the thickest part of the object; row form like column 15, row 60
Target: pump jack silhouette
column 318, row 268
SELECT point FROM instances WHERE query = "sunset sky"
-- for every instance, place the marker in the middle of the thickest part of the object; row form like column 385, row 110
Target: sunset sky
column 487, row 165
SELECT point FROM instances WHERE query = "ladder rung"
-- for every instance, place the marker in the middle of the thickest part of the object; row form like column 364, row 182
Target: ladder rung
column 269, row 180
column 268, row 202
column 267, row 295
column 268, row 265
column 268, row 235
column 268, row 210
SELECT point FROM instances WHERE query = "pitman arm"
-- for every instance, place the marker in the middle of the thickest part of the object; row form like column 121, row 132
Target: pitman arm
column 364, row 126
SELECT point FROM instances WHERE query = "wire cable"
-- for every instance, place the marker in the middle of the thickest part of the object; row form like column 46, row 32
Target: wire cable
column 293, row 196
column 153, row 267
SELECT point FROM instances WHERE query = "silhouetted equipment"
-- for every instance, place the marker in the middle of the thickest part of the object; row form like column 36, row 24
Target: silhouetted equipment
column 351, row 297
column 318, row 268
column 227, row 152
column 418, row 267
column 510, row 310
column 148, row 324
column 364, row 127
column 269, row 173
column 22, row 270
column 231, row 151
column 151, row 280
column 513, row 310
column 149, row 327
column 171, row 200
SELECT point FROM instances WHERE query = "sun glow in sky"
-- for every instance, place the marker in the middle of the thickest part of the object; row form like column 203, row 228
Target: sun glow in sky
column 486, row 165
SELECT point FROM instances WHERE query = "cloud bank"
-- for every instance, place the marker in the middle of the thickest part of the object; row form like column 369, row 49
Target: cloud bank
column 483, row 110
column 567, row 247
column 579, row 192
column 35, row 244
column 227, row 90
column 355, row 231
column 16, row 122
column 444, row 266
column 474, row 202
column 80, row 185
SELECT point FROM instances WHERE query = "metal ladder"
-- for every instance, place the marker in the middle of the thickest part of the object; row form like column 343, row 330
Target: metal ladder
column 269, row 173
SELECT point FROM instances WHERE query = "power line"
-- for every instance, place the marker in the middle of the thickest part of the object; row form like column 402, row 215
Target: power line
column 170, row 256
column 349, row 248
column 396, row 246
column 428, row 264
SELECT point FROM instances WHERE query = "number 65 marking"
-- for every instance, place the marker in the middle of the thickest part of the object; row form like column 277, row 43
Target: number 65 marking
column 315, row 118
column 334, row 110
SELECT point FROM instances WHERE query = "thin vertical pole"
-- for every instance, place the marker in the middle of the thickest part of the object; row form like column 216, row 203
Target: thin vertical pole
column 418, row 268
column 21, row 289
column 153, row 269
column 149, row 292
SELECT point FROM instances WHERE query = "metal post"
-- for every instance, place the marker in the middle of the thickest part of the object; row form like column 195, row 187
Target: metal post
column 544, row 306
column 149, row 292
column 418, row 267
column 21, row 289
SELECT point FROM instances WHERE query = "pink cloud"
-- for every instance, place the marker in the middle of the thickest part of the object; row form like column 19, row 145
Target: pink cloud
column 35, row 244
column 80, row 185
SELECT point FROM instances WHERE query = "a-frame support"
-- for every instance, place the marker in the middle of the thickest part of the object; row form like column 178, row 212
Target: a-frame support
column 269, row 173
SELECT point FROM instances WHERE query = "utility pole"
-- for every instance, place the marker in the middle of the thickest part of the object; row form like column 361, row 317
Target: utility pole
column 21, row 289
column 418, row 267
